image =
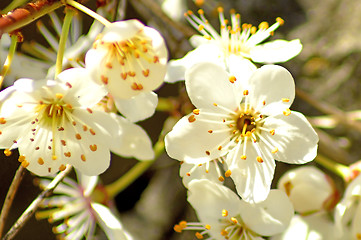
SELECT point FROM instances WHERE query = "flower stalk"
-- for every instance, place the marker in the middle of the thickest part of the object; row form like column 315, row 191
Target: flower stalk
column 9, row 59
column 69, row 13
column 88, row 11
column 119, row 185
column 337, row 168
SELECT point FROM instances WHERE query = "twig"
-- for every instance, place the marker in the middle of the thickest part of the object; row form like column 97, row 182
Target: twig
column 35, row 204
column 10, row 197
column 157, row 10
column 330, row 110
column 27, row 14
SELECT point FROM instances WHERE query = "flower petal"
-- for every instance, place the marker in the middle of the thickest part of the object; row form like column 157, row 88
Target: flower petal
column 208, row 83
column 191, row 141
column 209, row 199
column 276, row 51
column 139, row 107
column 252, row 179
column 121, row 30
column 271, row 216
column 80, row 84
column 272, row 89
column 176, row 69
column 294, row 137
column 109, row 223
column 131, row 140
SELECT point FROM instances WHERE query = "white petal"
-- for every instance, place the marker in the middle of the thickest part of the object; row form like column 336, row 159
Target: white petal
column 87, row 182
column 131, row 140
column 274, row 86
column 209, row 199
column 276, row 51
column 208, row 83
column 294, row 137
column 176, row 69
column 312, row 227
column 109, row 223
column 121, row 30
column 252, row 179
column 81, row 84
column 200, row 172
column 139, row 107
column 191, row 142
column 356, row 223
column 271, row 216
column 175, row 9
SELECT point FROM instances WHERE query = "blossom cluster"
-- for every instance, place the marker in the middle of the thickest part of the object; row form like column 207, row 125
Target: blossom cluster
column 83, row 112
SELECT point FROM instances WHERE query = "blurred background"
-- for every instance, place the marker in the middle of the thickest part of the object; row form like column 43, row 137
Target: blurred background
column 327, row 70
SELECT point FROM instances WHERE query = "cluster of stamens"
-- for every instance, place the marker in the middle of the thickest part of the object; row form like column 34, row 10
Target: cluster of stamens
column 202, row 230
column 128, row 55
column 236, row 38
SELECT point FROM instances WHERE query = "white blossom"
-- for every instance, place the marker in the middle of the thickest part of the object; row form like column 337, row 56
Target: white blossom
column 317, row 226
column 223, row 215
column 235, row 39
column 348, row 212
column 250, row 124
column 303, row 182
column 76, row 213
column 52, row 124
column 128, row 58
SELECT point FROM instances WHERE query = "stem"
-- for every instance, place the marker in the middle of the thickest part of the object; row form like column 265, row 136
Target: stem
column 9, row 59
column 27, row 14
column 88, row 11
column 10, row 197
column 14, row 4
column 35, row 204
column 69, row 13
column 119, row 185
column 337, row 168
column 338, row 114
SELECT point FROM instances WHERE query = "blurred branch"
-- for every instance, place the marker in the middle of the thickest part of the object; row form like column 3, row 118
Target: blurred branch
column 27, row 14
column 35, row 204
column 10, row 197
column 326, row 108
column 157, row 11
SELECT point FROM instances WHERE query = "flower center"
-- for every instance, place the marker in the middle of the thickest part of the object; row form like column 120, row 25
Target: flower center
column 246, row 123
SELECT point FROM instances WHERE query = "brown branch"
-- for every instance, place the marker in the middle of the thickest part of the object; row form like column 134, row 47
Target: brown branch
column 27, row 14
column 10, row 197
column 35, row 204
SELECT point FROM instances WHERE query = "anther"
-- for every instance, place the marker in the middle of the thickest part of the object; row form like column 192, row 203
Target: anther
column 263, row 25
column 92, row 131
column 2, row 121
column 177, row 228
column 93, row 147
column 59, row 95
column 210, row 131
column 285, row 99
column 196, row 111
column 89, row 110
column 272, row 132
column 145, row 72
column 67, row 154
column 221, row 179
column 234, row 220
column 280, row 21
column 259, row 159
column 228, row 173
column 77, row 136
column 224, row 213
column 220, row 9
column 245, row 92
column 109, row 65
column 104, row 79
column 274, row 150
column 232, row 79
column 40, row 161
column 224, row 233
column 208, row 153
column 21, row 158
column 7, row 152
column 287, row 112
column 243, row 157
column 54, row 157
column 208, row 227
column 191, row 118
column 25, row 164
column 219, row 148
column 62, row 167
column 83, row 158
column 198, row 235
column 68, row 85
